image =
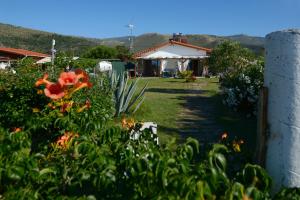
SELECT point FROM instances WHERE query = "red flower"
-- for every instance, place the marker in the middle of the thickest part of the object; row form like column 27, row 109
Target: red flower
column 82, row 75
column 43, row 80
column 83, row 80
column 80, row 85
column 54, row 91
column 68, row 78
column 66, row 106
column 63, row 141
column 87, row 105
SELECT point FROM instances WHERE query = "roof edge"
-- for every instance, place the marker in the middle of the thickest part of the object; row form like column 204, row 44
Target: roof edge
column 170, row 42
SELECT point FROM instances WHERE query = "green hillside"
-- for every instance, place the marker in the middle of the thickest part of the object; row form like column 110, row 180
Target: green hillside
column 19, row 37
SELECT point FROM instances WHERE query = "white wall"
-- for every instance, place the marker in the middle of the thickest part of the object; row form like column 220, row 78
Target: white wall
column 176, row 51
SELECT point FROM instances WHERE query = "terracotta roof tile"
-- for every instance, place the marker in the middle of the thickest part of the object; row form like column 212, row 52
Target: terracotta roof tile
column 22, row 52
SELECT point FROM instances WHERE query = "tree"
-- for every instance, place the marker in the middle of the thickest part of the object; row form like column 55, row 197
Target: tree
column 230, row 56
column 123, row 53
column 101, row 52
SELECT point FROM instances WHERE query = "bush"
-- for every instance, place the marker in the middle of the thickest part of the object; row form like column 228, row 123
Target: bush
column 18, row 97
column 187, row 75
column 230, row 57
column 65, row 153
column 241, row 89
column 84, row 63
column 69, row 110
column 110, row 165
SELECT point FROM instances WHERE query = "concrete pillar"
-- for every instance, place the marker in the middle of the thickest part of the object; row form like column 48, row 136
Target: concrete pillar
column 282, row 78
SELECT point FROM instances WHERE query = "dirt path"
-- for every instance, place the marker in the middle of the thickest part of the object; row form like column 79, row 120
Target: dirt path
column 197, row 118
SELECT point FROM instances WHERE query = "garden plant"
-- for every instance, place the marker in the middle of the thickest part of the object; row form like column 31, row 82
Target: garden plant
column 60, row 147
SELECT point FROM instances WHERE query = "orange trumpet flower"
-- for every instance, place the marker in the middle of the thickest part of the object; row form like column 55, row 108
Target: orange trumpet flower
column 68, row 78
column 54, row 91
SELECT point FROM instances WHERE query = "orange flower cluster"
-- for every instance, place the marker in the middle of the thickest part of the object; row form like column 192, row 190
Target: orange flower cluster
column 87, row 105
column 16, row 129
column 236, row 145
column 65, row 139
column 78, row 79
column 128, row 123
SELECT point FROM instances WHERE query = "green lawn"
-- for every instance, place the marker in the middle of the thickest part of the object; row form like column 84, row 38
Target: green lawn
column 165, row 100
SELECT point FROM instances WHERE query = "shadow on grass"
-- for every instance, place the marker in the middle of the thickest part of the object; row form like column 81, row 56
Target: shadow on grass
column 206, row 118
column 173, row 91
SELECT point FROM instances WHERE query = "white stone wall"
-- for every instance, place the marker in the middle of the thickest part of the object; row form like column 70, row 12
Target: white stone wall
column 282, row 78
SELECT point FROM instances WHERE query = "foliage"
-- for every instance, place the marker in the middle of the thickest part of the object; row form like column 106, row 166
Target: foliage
column 65, row 154
column 18, row 98
column 69, row 109
column 109, row 165
column 123, row 53
column 288, row 194
column 124, row 93
column 229, row 56
column 101, row 52
column 84, row 63
column 241, row 89
column 187, row 75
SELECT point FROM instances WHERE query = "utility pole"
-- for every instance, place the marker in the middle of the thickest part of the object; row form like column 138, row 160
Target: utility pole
column 130, row 27
column 53, row 51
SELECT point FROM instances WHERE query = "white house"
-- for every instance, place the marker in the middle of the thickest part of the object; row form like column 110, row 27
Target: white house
column 172, row 56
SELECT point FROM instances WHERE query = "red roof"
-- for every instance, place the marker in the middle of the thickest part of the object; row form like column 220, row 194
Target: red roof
column 170, row 42
column 22, row 52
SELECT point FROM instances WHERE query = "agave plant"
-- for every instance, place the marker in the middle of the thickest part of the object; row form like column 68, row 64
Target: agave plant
column 124, row 93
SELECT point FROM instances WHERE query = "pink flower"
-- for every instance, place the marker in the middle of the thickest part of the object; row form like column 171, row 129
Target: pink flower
column 68, row 78
column 54, row 91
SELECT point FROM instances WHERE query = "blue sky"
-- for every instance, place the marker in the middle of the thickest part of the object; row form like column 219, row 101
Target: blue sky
column 107, row 18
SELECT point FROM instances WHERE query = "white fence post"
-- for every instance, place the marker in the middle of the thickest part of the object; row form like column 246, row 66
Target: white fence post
column 282, row 78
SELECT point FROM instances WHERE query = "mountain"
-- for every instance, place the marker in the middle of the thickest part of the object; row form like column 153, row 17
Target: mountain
column 35, row 40
column 19, row 37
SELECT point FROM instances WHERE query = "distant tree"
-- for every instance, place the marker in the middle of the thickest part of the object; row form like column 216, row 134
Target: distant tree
column 123, row 53
column 230, row 56
column 101, row 52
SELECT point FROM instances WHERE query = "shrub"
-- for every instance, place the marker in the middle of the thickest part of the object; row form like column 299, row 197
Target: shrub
column 18, row 97
column 241, row 89
column 101, row 52
column 230, row 57
column 84, row 63
column 66, row 154
column 187, row 75
column 71, row 98
column 109, row 165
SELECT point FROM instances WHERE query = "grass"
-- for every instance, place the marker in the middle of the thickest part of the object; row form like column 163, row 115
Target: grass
column 165, row 100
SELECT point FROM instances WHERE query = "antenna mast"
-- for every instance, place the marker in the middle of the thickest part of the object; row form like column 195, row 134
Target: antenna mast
column 130, row 27
column 53, row 51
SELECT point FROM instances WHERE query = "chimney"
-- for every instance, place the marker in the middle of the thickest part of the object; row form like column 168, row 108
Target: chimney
column 178, row 37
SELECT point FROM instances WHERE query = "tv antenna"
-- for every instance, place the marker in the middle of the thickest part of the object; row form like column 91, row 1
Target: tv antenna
column 53, row 51
column 130, row 26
